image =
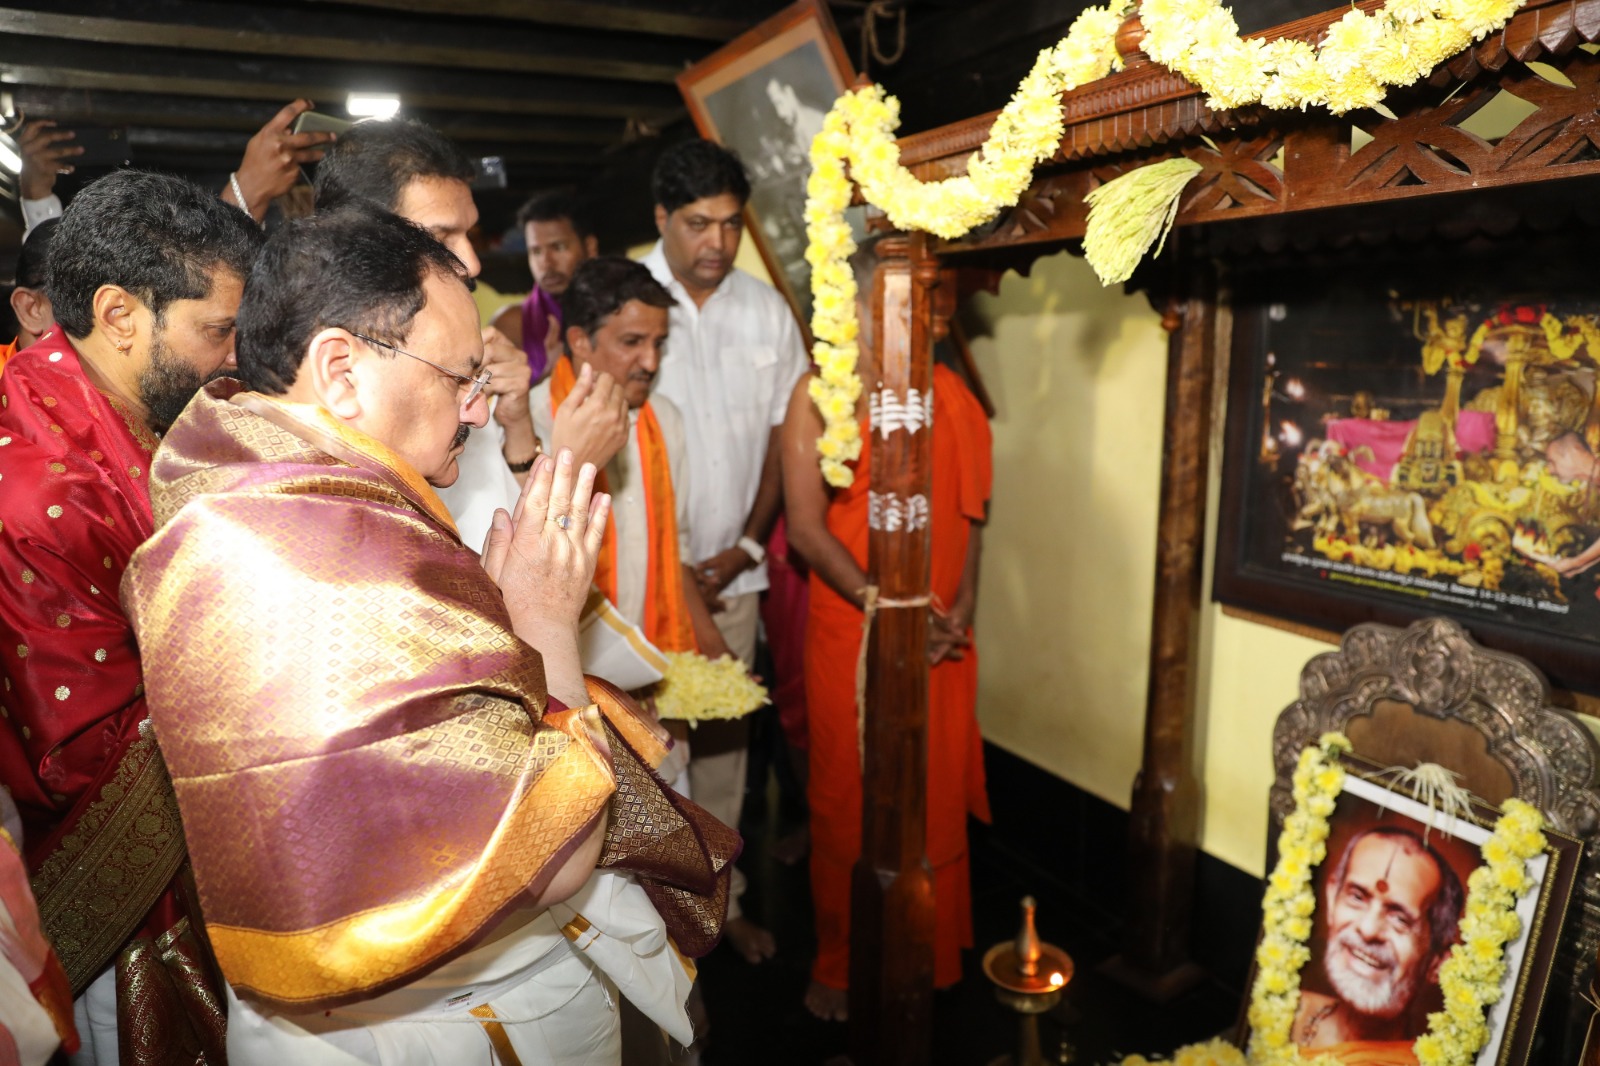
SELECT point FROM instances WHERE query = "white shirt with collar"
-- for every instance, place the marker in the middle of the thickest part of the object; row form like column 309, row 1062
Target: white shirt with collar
column 625, row 482
column 729, row 366
column 41, row 210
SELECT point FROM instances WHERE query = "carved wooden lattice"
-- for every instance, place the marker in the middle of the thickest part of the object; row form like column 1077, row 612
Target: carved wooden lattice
column 1258, row 162
column 1428, row 148
column 1271, row 171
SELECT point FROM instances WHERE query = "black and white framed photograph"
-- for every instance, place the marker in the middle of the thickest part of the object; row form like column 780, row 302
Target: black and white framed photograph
column 764, row 95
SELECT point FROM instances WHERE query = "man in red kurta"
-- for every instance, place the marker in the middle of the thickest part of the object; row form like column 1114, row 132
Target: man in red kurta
column 147, row 272
column 831, row 534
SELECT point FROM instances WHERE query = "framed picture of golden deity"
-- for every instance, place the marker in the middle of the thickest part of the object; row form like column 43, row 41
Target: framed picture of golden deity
column 1416, row 436
column 764, row 96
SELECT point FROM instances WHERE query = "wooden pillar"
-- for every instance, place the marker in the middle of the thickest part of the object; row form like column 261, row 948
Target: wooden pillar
column 1164, row 819
column 892, row 909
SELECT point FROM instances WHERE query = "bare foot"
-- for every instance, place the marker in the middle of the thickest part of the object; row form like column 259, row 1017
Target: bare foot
column 751, row 941
column 829, row 1004
column 791, row 849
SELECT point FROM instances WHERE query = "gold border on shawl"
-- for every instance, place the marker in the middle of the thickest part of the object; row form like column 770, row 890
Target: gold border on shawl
column 398, row 941
column 619, row 709
column 104, row 876
column 602, row 610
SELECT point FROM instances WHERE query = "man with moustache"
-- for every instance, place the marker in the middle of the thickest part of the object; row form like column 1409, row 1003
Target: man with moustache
column 559, row 241
column 1393, row 905
column 411, row 169
column 145, row 277
column 419, row 837
column 732, row 359
column 617, row 324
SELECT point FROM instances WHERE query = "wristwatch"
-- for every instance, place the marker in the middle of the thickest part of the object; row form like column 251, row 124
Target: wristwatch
column 524, row 467
column 750, row 547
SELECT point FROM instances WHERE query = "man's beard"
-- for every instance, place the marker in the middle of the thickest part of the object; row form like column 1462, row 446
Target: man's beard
column 168, row 384
column 1384, row 995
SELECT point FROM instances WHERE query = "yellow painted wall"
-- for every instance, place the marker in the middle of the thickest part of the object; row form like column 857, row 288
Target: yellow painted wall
column 1078, row 377
column 1077, row 374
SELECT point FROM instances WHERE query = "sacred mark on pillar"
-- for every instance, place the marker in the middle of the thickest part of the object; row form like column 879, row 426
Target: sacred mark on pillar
column 890, row 413
column 891, row 514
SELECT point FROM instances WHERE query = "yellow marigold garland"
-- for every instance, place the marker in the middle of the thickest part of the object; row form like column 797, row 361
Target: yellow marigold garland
column 698, row 689
column 1470, row 978
column 1360, row 58
column 1290, row 903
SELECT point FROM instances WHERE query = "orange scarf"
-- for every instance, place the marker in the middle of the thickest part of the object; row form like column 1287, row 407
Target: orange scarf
column 666, row 622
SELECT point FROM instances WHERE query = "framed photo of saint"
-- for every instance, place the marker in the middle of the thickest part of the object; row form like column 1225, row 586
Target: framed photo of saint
column 764, row 95
column 1390, row 896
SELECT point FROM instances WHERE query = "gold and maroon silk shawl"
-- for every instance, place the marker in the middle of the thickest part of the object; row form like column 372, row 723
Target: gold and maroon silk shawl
column 368, row 772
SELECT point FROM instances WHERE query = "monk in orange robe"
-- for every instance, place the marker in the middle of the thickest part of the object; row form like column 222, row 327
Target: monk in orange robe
column 830, row 533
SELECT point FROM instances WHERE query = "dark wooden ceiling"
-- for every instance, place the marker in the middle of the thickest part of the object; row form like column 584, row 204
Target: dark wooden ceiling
column 567, row 92
column 552, row 86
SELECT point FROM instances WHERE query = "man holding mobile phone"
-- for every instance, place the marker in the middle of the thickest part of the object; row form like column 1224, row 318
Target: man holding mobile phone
column 269, row 168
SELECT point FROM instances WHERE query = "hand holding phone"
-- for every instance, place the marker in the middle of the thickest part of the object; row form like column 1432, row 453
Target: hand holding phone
column 272, row 159
column 317, row 122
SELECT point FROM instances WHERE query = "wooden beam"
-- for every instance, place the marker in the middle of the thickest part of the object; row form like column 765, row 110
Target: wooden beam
column 109, row 108
column 1164, row 817
column 218, row 28
column 891, row 890
column 61, row 64
column 211, row 170
column 589, row 14
column 147, row 140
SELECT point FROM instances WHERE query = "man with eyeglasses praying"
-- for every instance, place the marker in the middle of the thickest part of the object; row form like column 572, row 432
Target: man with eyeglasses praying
column 144, row 281
column 419, row 835
column 415, row 171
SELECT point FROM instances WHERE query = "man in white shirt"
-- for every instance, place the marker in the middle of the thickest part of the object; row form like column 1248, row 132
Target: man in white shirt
column 732, row 358
column 416, row 172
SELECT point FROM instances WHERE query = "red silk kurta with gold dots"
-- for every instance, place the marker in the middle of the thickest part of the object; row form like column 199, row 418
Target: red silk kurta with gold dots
column 73, row 507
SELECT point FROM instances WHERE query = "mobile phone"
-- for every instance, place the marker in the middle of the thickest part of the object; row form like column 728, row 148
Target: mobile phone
column 491, row 173
column 103, row 146
column 317, row 122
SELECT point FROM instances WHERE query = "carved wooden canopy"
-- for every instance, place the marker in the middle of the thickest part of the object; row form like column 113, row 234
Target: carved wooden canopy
column 1262, row 163
column 1268, row 175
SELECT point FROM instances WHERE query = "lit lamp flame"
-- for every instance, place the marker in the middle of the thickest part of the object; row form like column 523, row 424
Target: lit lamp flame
column 1291, row 434
column 1056, row 980
column 1295, row 389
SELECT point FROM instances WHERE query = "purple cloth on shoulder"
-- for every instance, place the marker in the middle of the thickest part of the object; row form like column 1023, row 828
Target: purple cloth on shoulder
column 537, row 311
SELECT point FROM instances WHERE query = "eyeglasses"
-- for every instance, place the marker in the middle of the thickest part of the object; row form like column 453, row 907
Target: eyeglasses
column 475, row 386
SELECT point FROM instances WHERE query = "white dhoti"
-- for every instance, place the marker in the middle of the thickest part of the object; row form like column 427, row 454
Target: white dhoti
column 550, row 986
